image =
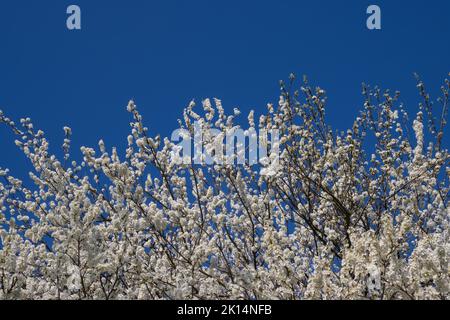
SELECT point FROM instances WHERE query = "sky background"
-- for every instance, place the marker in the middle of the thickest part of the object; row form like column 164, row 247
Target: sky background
column 164, row 53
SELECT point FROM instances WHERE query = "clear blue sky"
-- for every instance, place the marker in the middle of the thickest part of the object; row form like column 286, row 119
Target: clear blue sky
column 163, row 53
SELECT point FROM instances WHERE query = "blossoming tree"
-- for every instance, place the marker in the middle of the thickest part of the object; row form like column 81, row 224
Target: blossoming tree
column 362, row 214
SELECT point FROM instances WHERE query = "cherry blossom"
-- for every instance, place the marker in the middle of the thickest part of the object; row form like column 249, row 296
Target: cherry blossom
column 362, row 214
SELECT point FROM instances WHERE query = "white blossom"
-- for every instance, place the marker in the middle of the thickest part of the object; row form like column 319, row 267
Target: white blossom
column 330, row 216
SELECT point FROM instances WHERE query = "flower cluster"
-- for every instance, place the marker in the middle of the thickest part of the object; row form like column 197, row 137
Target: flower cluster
column 362, row 214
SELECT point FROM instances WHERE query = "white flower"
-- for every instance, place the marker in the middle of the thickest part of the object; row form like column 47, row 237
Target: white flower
column 317, row 216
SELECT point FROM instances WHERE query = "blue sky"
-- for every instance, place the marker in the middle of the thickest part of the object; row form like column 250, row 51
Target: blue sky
column 163, row 53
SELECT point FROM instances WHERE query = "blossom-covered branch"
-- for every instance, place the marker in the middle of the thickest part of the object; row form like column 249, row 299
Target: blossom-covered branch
column 362, row 214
